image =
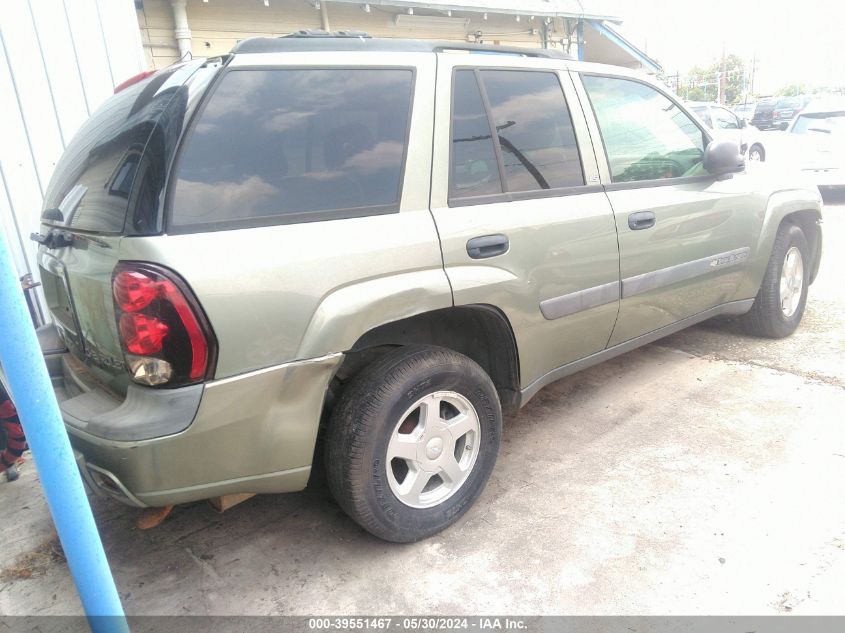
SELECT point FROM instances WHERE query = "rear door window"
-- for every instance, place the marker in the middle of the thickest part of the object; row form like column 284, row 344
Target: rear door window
column 290, row 145
column 646, row 135
column 533, row 147
column 475, row 171
column 534, row 130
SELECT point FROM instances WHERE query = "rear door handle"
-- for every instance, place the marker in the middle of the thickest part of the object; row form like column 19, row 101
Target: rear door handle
column 641, row 220
column 487, row 246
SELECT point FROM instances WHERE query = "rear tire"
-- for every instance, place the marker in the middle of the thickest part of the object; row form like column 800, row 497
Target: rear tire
column 412, row 442
column 782, row 297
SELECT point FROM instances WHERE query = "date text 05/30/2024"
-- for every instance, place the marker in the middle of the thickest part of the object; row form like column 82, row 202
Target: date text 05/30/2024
column 416, row 624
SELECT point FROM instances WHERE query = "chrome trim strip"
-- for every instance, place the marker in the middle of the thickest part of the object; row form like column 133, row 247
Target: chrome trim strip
column 681, row 272
column 564, row 305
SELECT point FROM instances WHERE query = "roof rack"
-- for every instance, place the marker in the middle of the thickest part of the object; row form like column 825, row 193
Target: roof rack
column 318, row 40
column 322, row 33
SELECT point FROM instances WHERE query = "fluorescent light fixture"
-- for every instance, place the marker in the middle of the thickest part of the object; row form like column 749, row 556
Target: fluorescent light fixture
column 434, row 22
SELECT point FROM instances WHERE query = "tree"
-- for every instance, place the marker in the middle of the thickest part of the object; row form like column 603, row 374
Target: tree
column 792, row 90
column 703, row 84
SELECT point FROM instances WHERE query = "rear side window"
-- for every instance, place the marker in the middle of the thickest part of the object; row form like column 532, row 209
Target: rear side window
column 289, row 145
column 534, row 137
column 646, row 135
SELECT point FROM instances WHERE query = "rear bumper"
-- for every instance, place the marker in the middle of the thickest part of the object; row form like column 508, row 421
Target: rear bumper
column 253, row 432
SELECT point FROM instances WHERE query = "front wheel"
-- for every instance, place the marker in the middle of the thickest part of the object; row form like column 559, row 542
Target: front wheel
column 412, row 442
column 757, row 153
column 782, row 297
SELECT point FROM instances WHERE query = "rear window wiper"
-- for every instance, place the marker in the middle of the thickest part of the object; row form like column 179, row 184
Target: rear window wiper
column 53, row 239
column 57, row 238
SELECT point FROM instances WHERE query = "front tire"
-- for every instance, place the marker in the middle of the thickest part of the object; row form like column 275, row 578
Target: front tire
column 782, row 297
column 757, row 153
column 412, row 442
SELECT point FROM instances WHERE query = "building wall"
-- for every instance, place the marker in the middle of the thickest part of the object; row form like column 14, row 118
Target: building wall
column 217, row 25
column 59, row 60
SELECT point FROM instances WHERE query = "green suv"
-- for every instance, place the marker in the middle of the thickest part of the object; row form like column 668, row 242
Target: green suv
column 383, row 244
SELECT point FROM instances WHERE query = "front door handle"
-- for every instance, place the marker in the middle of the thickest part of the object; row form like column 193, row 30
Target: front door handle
column 641, row 220
column 487, row 246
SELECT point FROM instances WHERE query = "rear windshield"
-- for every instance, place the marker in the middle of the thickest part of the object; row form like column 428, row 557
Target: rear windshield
column 832, row 123
column 291, row 145
column 95, row 180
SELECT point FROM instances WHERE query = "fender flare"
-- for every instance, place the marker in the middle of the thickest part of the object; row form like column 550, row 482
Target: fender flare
column 347, row 313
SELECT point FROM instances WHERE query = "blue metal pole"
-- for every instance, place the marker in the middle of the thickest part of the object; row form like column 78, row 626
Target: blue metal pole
column 32, row 393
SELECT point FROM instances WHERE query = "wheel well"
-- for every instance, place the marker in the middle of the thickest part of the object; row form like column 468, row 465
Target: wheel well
column 808, row 222
column 480, row 332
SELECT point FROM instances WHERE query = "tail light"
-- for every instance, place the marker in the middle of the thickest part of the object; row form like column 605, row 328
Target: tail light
column 165, row 336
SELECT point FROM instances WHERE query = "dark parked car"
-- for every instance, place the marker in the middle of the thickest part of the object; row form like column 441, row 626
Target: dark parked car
column 763, row 114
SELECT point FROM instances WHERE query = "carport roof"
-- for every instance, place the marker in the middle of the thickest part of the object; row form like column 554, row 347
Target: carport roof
column 544, row 8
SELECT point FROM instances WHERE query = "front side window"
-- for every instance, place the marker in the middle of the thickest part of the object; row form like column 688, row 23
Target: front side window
column 534, row 138
column 646, row 135
column 725, row 120
column 284, row 145
column 703, row 114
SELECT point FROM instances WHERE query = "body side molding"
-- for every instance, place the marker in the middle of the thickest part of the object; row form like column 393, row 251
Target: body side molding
column 567, row 304
column 731, row 308
column 682, row 272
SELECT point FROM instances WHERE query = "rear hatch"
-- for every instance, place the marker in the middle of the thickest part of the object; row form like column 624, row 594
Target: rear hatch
column 763, row 111
column 785, row 109
column 106, row 187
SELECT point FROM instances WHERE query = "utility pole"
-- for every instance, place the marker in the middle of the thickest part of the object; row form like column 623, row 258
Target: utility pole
column 753, row 70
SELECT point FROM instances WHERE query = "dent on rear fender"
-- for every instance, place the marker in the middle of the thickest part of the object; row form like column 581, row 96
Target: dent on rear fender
column 347, row 313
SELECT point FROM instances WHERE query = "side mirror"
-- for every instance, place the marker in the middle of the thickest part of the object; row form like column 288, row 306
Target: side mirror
column 722, row 156
column 743, row 123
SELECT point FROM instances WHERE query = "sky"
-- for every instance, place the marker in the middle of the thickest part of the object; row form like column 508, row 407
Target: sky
column 801, row 41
